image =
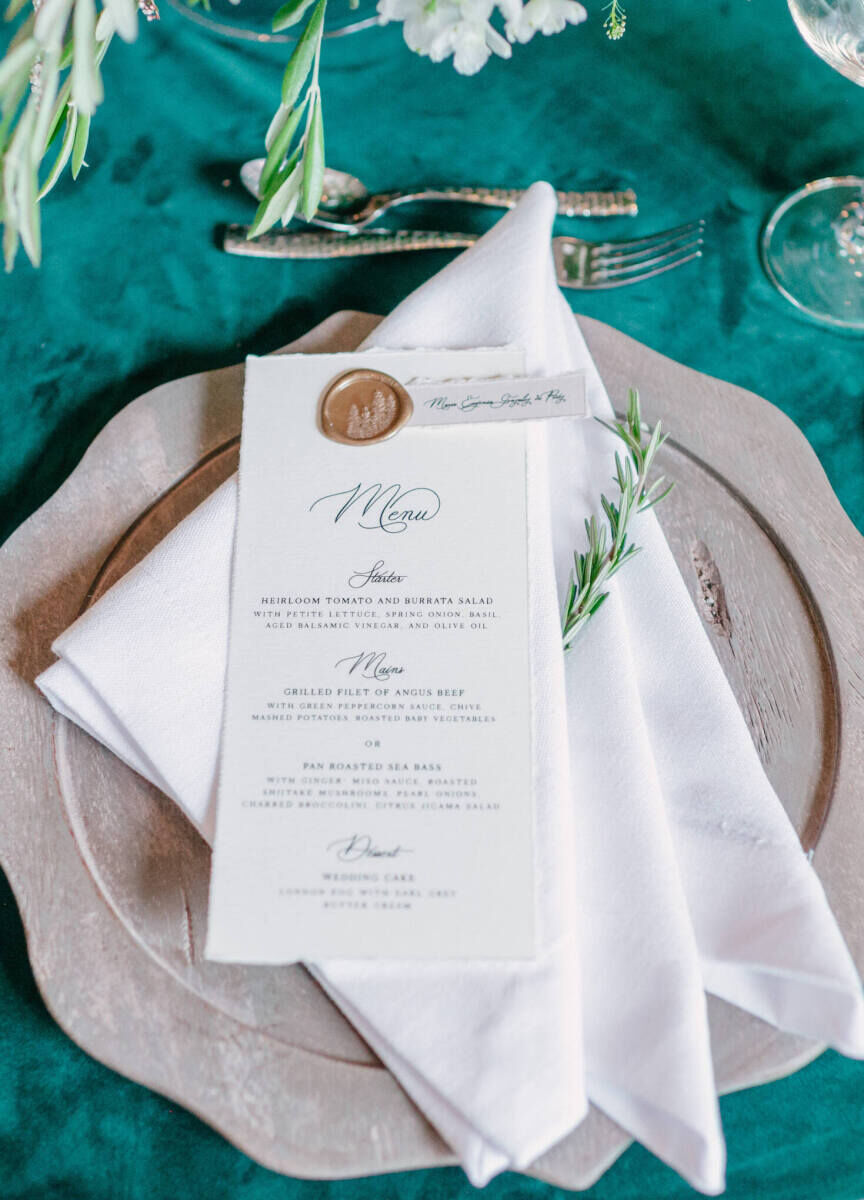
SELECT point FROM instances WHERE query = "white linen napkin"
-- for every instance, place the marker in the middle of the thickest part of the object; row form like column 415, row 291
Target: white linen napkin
column 689, row 875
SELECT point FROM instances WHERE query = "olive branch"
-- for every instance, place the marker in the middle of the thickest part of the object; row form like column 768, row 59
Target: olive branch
column 609, row 547
column 51, row 85
column 292, row 178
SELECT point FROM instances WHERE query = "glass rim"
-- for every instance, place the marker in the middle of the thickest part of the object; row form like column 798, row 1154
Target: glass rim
column 240, row 33
column 817, row 185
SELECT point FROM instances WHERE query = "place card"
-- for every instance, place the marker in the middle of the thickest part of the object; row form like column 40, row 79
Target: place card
column 457, row 403
column 365, row 405
column 375, row 793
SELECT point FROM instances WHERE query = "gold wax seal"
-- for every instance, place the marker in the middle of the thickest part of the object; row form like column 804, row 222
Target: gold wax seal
column 363, row 407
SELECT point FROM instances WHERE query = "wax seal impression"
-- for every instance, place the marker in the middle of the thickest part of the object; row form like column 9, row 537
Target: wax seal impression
column 363, row 407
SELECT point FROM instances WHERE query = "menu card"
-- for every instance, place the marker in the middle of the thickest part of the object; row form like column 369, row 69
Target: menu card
column 376, row 778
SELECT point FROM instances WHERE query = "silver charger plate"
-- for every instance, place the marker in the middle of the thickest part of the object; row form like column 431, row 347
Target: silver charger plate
column 111, row 879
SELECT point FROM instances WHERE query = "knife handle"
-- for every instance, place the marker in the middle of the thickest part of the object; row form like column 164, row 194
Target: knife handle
column 306, row 244
column 598, row 204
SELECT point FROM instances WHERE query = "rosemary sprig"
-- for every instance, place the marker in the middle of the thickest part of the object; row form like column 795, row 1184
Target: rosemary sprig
column 608, row 544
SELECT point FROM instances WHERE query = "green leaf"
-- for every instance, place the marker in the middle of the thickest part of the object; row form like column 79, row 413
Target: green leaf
column 102, row 48
column 54, row 21
column 313, row 163
column 279, row 147
column 124, row 16
column 11, row 242
column 51, row 21
column 86, row 83
column 300, row 62
column 63, row 156
column 13, row 8
column 10, row 246
column 634, row 414
column 10, row 167
column 280, row 203
column 279, row 118
column 17, row 61
column 25, row 30
column 79, row 143
column 282, row 174
column 648, row 492
column 619, row 430
column 22, row 186
column 656, row 499
column 59, row 115
column 8, row 109
column 10, row 102
column 49, row 80
column 105, row 26
column 66, row 56
column 289, row 14
column 30, row 229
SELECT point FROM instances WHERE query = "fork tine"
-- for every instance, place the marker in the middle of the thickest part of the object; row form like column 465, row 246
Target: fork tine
column 629, row 244
column 620, row 280
column 637, row 256
column 627, row 266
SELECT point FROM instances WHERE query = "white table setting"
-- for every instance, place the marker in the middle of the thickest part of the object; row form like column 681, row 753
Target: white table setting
column 666, row 868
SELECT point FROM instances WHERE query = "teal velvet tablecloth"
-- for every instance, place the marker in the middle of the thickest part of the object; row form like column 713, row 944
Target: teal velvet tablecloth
column 707, row 109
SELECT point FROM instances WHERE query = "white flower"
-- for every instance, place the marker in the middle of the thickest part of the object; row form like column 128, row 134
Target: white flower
column 511, row 11
column 441, row 28
column 472, row 46
column 545, row 16
column 438, row 29
column 397, row 10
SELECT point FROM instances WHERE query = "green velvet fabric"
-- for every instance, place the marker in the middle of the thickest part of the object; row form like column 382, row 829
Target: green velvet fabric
column 707, row 109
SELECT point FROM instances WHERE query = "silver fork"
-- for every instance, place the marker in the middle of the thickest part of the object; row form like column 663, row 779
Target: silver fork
column 578, row 264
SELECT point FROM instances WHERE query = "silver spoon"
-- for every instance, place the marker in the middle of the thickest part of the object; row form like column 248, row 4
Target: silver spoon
column 348, row 206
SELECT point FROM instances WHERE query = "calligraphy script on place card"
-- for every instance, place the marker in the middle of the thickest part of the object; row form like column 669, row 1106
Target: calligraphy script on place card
column 376, row 778
column 500, row 399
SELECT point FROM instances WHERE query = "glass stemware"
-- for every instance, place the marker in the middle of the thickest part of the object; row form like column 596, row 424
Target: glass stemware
column 813, row 244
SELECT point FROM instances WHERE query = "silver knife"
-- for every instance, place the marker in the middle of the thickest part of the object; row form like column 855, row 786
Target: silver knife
column 286, row 243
